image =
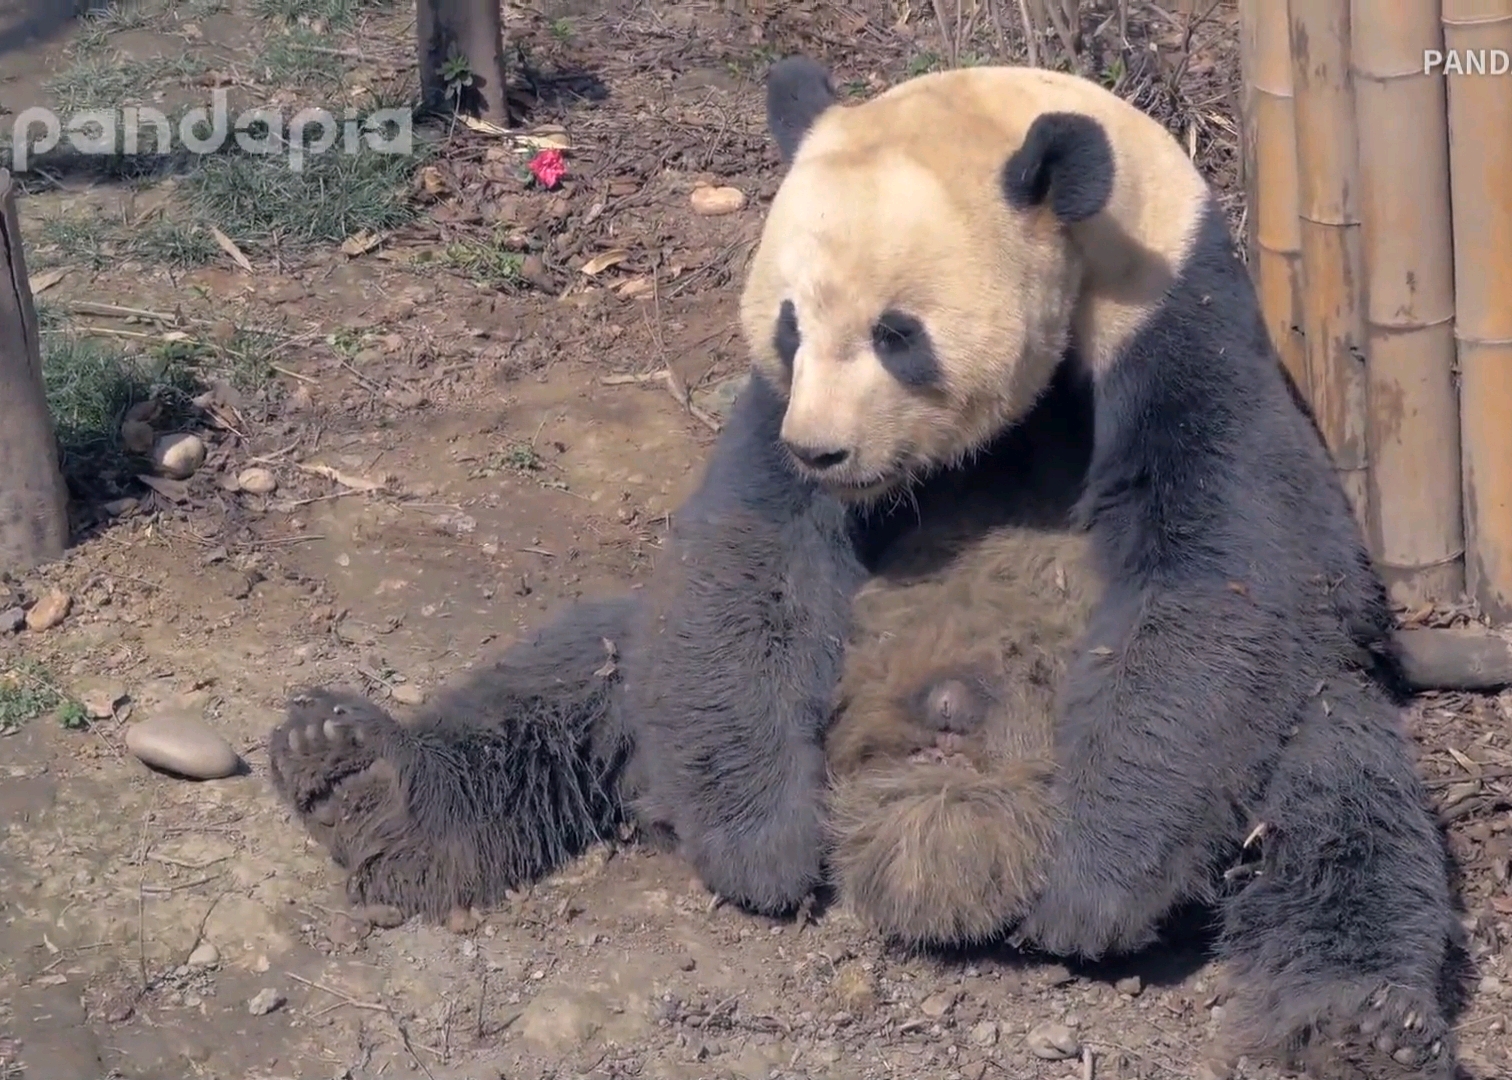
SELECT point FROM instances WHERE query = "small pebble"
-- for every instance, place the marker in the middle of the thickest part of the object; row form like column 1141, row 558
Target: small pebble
column 1058, row 975
column 409, row 694
column 49, row 611
column 178, row 456
column 184, row 744
column 205, row 955
column 985, row 1033
column 937, row 1005
column 347, row 930
column 119, row 507
column 257, row 481
column 12, row 620
column 1053, row 1042
column 264, row 1002
column 1490, row 984
column 714, row 201
column 1129, row 987
column 100, row 702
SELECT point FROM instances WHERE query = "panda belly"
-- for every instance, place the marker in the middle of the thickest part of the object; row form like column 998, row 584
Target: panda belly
column 941, row 750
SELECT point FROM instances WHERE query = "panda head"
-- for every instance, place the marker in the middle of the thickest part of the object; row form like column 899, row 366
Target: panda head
column 932, row 254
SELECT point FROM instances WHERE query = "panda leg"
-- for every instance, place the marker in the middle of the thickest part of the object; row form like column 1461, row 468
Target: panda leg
column 505, row 775
column 1157, row 739
column 1338, row 946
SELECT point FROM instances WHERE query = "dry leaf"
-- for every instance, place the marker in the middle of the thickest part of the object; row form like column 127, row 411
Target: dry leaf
column 544, row 137
column 47, row 279
column 637, row 288
column 550, row 141
column 173, row 490
column 1471, row 767
column 356, row 483
column 361, row 243
column 228, row 245
column 484, row 127
column 713, row 201
column 603, row 261
column 432, row 182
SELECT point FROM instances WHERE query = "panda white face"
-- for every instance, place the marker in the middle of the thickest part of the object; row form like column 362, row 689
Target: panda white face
column 903, row 332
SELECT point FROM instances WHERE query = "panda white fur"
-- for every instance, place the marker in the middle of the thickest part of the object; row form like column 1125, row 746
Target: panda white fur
column 933, row 260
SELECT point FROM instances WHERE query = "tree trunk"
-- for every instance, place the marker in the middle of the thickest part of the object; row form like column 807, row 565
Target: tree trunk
column 33, row 498
column 473, row 29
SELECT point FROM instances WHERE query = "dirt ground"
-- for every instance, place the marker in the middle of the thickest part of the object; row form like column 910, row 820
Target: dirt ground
column 464, row 433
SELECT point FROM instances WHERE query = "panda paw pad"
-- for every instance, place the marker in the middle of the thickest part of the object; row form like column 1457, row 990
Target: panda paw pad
column 328, row 743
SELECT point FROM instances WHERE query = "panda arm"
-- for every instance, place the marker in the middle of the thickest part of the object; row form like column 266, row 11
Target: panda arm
column 1237, row 587
column 741, row 663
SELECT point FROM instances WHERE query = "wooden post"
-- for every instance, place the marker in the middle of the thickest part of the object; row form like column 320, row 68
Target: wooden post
column 1416, row 527
column 1333, row 301
column 1480, row 159
column 33, row 497
column 1271, row 186
column 473, row 29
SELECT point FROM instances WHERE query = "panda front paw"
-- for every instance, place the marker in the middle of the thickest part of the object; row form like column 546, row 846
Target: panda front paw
column 1087, row 911
column 770, row 869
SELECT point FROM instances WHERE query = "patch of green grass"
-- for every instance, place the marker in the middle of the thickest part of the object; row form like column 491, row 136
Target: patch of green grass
column 519, row 458
column 296, row 58
column 202, row 9
column 563, row 30
column 97, row 241
column 90, row 385
column 484, row 262
column 172, row 243
column 95, row 27
column 245, row 361
column 27, row 691
column 922, row 63
column 260, row 199
column 73, row 239
column 109, row 80
column 331, row 14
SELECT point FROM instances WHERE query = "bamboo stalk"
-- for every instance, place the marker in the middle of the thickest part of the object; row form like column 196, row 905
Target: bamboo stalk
column 1249, row 156
column 1480, row 159
column 1272, row 182
column 1416, row 527
column 1333, row 302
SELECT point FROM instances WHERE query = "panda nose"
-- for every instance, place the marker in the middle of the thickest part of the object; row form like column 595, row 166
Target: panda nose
column 817, row 458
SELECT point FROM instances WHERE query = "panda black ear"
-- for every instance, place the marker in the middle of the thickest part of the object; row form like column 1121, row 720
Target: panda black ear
column 1066, row 159
column 798, row 91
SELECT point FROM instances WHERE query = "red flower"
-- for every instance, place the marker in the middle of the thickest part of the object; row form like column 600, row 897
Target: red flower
column 548, row 168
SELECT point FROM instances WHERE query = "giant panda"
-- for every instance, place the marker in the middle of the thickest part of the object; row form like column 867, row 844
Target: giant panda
column 933, row 260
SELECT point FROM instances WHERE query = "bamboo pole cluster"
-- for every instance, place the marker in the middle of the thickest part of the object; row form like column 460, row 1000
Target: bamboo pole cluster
column 1378, row 188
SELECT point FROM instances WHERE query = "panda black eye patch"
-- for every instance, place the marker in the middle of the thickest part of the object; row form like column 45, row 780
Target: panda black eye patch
column 785, row 338
column 904, row 349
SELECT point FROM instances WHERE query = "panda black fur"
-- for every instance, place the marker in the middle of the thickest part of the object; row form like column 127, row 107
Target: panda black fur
column 1235, row 655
